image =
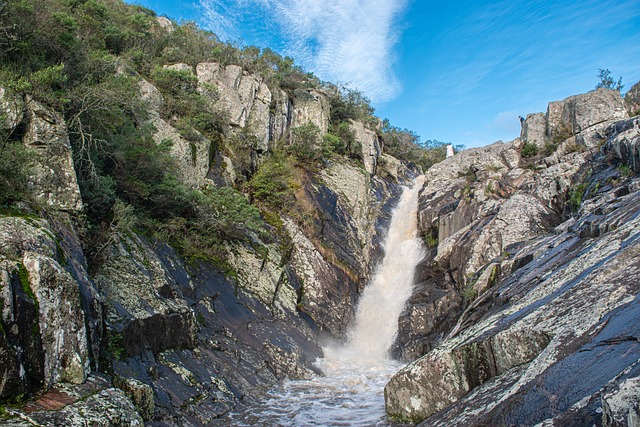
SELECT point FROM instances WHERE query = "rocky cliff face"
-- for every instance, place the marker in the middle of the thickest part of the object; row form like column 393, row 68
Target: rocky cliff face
column 182, row 342
column 526, row 305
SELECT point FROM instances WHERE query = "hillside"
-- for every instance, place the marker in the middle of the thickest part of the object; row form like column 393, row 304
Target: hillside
column 181, row 218
column 183, row 222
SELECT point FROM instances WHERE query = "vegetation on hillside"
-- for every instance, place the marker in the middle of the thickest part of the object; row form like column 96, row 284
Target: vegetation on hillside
column 84, row 58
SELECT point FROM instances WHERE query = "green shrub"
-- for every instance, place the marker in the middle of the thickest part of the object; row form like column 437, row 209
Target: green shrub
column 625, row 170
column 576, row 196
column 14, row 162
column 306, row 143
column 273, row 183
column 529, row 149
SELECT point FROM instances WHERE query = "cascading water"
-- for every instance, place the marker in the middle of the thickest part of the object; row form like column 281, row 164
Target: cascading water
column 351, row 392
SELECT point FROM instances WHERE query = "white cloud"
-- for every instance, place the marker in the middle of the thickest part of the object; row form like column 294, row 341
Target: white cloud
column 347, row 41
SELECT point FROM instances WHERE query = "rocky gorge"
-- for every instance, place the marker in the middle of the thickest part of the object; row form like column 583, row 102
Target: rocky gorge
column 524, row 309
column 137, row 334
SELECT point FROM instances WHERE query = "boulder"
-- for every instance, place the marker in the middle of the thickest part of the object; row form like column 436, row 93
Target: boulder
column 624, row 142
column 107, row 408
column 165, row 23
column 179, row 67
column 441, row 378
column 61, row 320
column 141, row 395
column 53, row 179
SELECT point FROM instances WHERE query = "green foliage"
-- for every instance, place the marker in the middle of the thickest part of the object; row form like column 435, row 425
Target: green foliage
column 14, row 162
column 576, row 196
column 529, row 149
column 625, row 170
column 406, row 145
column 469, row 293
column 26, row 287
column 349, row 104
column 273, row 184
column 606, row 81
column 306, row 143
column 229, row 212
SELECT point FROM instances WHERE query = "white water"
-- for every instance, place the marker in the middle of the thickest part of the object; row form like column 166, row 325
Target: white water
column 351, row 392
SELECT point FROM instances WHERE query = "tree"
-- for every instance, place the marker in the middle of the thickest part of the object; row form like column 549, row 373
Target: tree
column 606, row 81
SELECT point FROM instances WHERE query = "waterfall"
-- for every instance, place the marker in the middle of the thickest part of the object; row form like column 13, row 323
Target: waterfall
column 376, row 321
column 351, row 392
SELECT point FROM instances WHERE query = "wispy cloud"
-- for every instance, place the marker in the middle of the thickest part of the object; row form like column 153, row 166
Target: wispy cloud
column 347, row 41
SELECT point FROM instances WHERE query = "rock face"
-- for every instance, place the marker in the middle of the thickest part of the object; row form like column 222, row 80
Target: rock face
column 44, row 337
column 577, row 113
column 61, row 320
column 310, row 107
column 53, row 177
column 193, row 156
column 534, row 130
column 632, row 100
column 245, row 96
column 371, row 146
column 542, row 299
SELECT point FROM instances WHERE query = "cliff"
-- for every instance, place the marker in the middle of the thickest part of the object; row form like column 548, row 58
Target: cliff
column 525, row 311
column 117, row 323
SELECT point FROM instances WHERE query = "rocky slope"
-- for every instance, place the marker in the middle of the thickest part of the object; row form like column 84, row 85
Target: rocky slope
column 526, row 308
column 181, row 342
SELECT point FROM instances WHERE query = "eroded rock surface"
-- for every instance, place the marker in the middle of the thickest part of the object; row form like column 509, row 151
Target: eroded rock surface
column 562, row 296
column 53, row 177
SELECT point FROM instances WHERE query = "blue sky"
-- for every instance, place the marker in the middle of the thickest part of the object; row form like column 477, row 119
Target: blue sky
column 456, row 71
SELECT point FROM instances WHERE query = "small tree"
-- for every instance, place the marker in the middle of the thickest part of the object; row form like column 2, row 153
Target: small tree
column 606, row 81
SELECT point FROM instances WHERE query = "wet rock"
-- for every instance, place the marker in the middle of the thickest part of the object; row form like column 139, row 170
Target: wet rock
column 621, row 407
column 441, row 378
column 53, row 178
column 569, row 302
column 323, row 294
column 21, row 352
column 145, row 305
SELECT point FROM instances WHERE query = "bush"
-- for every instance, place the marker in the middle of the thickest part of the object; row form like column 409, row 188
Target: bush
column 306, row 143
column 14, row 161
column 273, row 184
column 529, row 149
